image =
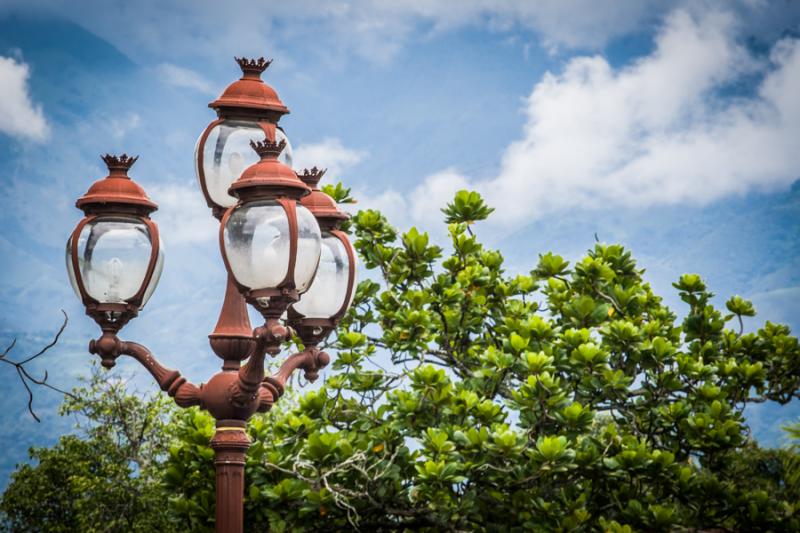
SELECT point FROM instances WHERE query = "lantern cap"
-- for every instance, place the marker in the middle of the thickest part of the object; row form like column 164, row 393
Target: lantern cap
column 268, row 149
column 321, row 205
column 253, row 67
column 311, row 176
column 120, row 162
column 249, row 95
column 268, row 178
column 117, row 191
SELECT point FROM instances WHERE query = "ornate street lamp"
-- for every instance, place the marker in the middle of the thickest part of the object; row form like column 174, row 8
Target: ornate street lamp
column 279, row 241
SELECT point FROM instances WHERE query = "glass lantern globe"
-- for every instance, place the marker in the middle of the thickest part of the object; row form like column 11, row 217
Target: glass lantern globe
column 257, row 245
column 114, row 254
column 226, row 153
column 328, row 293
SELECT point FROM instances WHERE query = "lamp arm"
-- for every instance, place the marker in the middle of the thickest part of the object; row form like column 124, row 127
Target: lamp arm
column 311, row 360
column 268, row 341
column 109, row 347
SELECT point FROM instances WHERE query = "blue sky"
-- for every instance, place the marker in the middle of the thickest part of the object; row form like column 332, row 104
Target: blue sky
column 671, row 127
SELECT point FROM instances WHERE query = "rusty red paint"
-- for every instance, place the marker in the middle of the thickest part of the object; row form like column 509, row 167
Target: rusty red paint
column 117, row 190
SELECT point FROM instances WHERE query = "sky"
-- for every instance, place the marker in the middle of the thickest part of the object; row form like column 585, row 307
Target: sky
column 669, row 126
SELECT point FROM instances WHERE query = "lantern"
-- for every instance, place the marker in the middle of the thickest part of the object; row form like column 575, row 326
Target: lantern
column 270, row 243
column 114, row 255
column 248, row 110
column 330, row 294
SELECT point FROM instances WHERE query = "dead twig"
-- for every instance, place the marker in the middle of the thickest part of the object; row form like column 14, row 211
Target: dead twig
column 26, row 377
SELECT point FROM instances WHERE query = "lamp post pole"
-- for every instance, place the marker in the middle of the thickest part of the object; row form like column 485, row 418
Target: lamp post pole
column 279, row 240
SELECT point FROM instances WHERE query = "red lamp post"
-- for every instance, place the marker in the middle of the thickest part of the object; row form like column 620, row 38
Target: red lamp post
column 279, row 241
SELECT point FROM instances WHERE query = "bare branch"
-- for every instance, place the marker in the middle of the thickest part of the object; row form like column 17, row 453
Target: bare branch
column 26, row 377
column 52, row 343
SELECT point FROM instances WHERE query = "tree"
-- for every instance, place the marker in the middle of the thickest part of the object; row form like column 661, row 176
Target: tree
column 464, row 398
column 559, row 399
column 106, row 477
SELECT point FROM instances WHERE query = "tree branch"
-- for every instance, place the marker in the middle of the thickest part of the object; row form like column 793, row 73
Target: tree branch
column 26, row 376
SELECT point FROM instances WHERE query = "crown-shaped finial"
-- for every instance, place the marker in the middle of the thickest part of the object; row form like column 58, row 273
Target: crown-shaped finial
column 253, row 67
column 267, row 148
column 312, row 176
column 119, row 162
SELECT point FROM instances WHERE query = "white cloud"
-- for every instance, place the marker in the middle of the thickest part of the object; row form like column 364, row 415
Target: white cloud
column 427, row 201
column 432, row 195
column 182, row 215
column 19, row 116
column 656, row 132
column 389, row 202
column 184, row 78
column 330, row 154
column 119, row 127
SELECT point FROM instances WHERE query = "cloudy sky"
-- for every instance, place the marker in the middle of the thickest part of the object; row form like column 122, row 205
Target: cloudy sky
column 672, row 127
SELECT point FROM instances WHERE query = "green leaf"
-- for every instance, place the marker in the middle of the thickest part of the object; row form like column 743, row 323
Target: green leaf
column 517, row 342
column 467, row 207
column 339, row 193
column 738, row 306
column 551, row 265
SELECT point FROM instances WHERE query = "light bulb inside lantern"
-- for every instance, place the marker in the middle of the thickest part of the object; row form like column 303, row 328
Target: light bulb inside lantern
column 236, row 164
column 115, row 273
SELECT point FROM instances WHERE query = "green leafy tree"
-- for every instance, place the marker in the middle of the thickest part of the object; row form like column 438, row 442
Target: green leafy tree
column 106, row 476
column 467, row 398
column 566, row 398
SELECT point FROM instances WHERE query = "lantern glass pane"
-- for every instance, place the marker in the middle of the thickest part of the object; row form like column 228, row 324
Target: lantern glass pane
column 113, row 256
column 308, row 249
column 256, row 240
column 157, row 269
column 227, row 153
column 70, row 270
column 352, row 293
column 286, row 153
column 329, row 289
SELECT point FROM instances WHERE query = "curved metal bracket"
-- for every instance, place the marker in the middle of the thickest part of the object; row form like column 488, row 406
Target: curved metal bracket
column 311, row 360
column 109, row 347
column 268, row 341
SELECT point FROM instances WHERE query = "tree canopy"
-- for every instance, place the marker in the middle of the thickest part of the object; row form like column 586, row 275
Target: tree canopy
column 466, row 398
column 105, row 476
